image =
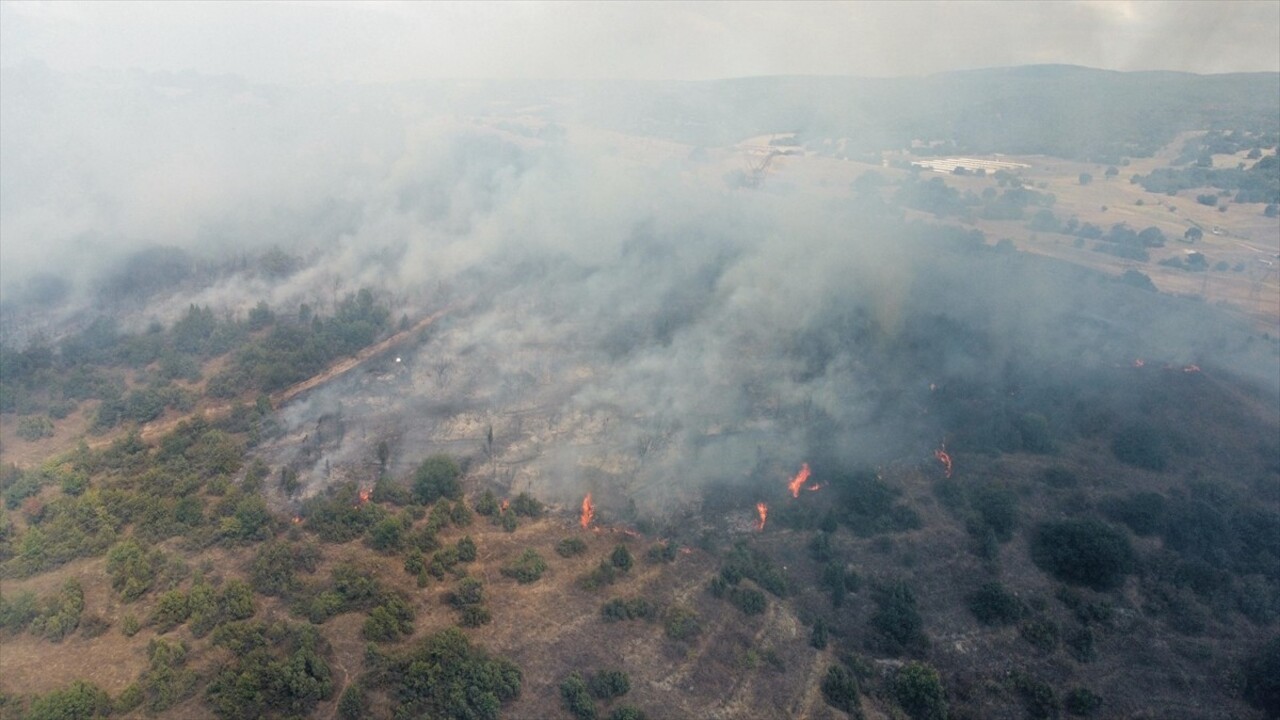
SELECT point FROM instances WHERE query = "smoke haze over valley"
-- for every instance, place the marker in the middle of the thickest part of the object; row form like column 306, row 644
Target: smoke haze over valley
column 666, row 287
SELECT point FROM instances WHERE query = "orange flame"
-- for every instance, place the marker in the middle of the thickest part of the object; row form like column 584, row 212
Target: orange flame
column 799, row 480
column 1191, row 369
column 297, row 520
column 588, row 511
column 763, row 511
column 364, row 495
column 814, row 488
column 944, row 458
column 505, row 504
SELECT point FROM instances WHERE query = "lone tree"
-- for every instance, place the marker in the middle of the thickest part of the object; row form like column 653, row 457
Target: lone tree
column 1085, row 178
column 435, row 478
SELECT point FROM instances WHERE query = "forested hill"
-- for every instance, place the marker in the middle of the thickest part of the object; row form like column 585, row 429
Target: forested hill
column 1059, row 110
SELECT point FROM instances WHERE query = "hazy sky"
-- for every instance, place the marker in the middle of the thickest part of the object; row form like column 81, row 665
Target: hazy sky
column 307, row 41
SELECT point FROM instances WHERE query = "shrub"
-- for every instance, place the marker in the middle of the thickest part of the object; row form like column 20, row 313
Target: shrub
column 818, row 637
column 621, row 558
column 996, row 508
column 354, row 703
column 1140, row 445
column 1041, row 633
column 487, row 504
column 609, row 684
column 1262, row 678
column 1082, row 702
column 171, row 610
column 627, row 712
column 466, row 549
column 527, row 505
column 444, row 676
column 571, row 547
column 527, row 568
column 896, row 622
column 840, row 689
column 992, row 604
column 1083, row 552
column 748, row 600
column 682, row 623
column 918, row 689
column 80, row 701
column 277, row 670
column 604, row 574
column 629, row 609
column 435, row 478
column 576, row 698
column 1143, row 512
column 1038, row 698
column 662, row 552
column 133, row 569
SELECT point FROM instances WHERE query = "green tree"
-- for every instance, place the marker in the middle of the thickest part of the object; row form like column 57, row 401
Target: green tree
column 1083, row 552
column 840, row 689
column 1262, row 678
column 437, row 477
column 621, row 558
column 918, row 689
column 81, row 701
column 576, row 698
column 609, row 684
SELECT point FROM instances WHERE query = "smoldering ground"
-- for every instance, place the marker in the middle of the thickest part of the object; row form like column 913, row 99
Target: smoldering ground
column 622, row 324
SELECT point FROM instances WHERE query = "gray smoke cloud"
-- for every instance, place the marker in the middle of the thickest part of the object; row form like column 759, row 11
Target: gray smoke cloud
column 624, row 320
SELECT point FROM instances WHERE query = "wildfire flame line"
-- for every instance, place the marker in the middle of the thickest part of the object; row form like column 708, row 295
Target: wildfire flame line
column 944, row 458
column 799, row 480
column 763, row 511
column 588, row 511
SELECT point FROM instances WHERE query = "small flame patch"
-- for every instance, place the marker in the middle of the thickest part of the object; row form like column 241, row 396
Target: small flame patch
column 799, row 480
column 588, row 512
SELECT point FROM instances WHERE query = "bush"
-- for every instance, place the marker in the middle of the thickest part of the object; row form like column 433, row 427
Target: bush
column 34, row 428
column 1141, row 445
column 621, row 558
column 1083, row 552
column 682, row 623
column 487, row 504
column 445, row 676
column 1042, row 633
column 661, row 552
column 354, row 703
column 1262, row 678
column 1081, row 702
column 527, row 568
column 629, row 609
column 576, row 698
column 436, row 478
column 992, row 604
column 918, row 689
column 277, row 670
column 819, row 636
column 840, row 689
column 133, row 569
column 996, row 508
column 609, row 684
column 571, row 547
column 627, row 712
column 748, row 600
column 896, row 622
column 80, row 701
column 527, row 505
column 1143, row 512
